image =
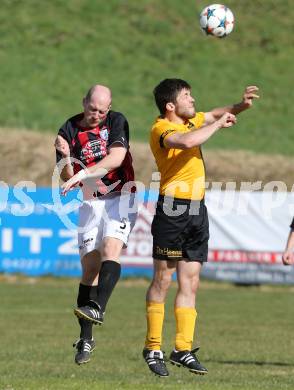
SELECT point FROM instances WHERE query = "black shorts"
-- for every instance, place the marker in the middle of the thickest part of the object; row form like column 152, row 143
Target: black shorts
column 180, row 229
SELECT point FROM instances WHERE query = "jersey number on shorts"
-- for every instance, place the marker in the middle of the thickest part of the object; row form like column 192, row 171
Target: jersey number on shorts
column 124, row 224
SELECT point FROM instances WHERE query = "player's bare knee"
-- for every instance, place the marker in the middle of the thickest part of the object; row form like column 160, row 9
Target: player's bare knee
column 111, row 249
column 193, row 290
column 194, row 284
column 189, row 286
column 162, row 281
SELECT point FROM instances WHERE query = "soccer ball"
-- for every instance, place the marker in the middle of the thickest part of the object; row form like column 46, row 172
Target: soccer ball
column 217, row 20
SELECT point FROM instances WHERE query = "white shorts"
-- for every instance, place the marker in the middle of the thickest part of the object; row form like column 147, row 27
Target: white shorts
column 113, row 215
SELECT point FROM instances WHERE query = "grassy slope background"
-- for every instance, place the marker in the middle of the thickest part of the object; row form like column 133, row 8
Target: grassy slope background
column 52, row 51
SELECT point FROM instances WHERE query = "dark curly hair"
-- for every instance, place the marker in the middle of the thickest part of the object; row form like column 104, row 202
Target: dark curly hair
column 167, row 91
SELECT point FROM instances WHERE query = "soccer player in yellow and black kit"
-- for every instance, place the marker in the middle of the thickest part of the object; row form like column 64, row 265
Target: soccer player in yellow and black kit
column 180, row 226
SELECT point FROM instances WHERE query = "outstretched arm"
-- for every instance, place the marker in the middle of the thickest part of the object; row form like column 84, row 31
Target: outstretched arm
column 197, row 137
column 249, row 95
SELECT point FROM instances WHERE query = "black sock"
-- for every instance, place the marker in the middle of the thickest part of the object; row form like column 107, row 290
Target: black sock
column 84, row 295
column 108, row 277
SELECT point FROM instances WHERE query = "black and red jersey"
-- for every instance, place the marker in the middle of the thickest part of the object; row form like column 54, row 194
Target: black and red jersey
column 89, row 146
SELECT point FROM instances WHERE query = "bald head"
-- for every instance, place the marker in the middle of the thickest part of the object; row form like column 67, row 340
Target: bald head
column 99, row 93
column 96, row 104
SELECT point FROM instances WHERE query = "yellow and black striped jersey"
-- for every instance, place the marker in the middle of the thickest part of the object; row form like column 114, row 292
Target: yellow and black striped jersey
column 182, row 171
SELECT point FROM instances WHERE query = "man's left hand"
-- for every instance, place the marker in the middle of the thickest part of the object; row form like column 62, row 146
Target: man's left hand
column 249, row 95
column 69, row 185
column 73, row 182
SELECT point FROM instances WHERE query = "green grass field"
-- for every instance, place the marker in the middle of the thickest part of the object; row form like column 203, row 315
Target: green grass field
column 52, row 51
column 246, row 338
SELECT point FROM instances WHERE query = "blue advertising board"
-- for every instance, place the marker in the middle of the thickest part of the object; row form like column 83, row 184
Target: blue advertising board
column 38, row 234
column 33, row 239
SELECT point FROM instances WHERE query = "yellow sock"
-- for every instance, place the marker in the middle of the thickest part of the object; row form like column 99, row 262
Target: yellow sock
column 154, row 316
column 185, row 325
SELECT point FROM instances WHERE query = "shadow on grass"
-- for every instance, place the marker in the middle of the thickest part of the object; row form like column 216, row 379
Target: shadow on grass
column 251, row 362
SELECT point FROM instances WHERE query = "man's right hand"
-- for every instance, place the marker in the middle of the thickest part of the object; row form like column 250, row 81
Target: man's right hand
column 288, row 257
column 227, row 120
column 62, row 146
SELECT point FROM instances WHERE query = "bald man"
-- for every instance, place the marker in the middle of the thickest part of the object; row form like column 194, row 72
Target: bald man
column 92, row 151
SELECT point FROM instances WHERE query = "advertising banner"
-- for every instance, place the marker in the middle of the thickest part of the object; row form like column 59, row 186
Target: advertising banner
column 248, row 232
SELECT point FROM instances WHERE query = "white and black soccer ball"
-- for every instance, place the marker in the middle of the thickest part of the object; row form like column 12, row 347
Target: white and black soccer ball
column 217, row 20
